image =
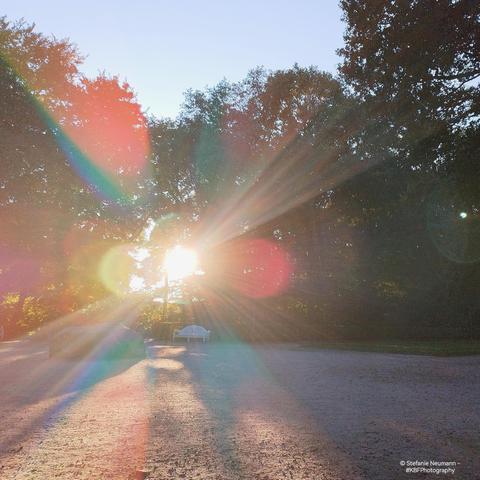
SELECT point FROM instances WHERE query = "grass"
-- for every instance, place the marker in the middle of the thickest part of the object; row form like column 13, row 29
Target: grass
column 440, row 348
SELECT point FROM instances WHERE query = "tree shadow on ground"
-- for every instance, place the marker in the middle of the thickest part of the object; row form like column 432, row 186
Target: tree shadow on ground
column 32, row 378
column 232, row 384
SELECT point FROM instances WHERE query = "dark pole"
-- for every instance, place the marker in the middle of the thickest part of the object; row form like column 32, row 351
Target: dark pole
column 165, row 300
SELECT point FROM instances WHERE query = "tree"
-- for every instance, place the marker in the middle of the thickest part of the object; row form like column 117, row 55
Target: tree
column 63, row 171
column 414, row 67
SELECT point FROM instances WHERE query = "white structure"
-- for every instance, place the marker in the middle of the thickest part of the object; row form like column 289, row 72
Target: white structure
column 192, row 331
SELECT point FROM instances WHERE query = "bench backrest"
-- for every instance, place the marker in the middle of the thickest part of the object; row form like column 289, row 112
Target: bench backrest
column 193, row 330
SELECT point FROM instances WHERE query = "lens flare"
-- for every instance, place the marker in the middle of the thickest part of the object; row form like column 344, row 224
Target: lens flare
column 117, row 268
column 453, row 225
column 108, row 126
column 99, row 126
column 256, row 268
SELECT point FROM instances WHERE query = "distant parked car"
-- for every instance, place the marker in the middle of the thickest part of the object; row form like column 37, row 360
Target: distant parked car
column 103, row 341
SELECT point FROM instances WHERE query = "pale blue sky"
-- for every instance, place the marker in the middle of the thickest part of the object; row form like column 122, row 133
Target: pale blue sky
column 164, row 47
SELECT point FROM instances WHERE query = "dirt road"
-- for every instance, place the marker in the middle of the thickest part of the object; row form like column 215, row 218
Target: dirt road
column 231, row 411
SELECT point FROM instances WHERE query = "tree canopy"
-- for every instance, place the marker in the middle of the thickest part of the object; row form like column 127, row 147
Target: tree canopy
column 351, row 201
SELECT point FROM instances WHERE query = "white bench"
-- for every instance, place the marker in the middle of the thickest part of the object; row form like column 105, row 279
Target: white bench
column 192, row 332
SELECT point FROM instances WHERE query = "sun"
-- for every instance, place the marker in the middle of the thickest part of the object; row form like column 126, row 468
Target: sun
column 180, row 262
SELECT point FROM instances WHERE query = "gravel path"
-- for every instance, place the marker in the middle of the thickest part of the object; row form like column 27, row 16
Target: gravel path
column 231, row 412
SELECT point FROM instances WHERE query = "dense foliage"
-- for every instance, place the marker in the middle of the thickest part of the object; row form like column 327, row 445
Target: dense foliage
column 364, row 186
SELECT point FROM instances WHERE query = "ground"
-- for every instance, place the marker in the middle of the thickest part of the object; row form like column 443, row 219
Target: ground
column 232, row 411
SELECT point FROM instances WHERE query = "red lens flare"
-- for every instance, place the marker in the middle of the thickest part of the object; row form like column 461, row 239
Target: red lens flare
column 259, row 268
column 109, row 127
